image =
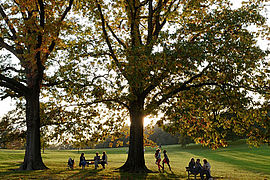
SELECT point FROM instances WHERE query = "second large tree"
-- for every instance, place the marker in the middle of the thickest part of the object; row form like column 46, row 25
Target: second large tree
column 155, row 51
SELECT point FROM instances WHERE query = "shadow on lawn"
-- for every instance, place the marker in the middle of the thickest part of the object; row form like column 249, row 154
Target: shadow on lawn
column 244, row 159
column 86, row 174
column 9, row 165
column 154, row 175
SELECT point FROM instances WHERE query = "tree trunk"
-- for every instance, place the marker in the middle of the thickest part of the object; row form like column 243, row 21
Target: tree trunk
column 32, row 158
column 135, row 161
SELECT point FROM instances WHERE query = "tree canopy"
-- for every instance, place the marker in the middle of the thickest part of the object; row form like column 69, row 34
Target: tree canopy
column 29, row 32
column 197, row 62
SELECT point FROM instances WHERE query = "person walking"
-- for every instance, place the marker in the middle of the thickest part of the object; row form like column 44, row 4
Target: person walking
column 96, row 160
column 166, row 160
column 104, row 159
column 158, row 159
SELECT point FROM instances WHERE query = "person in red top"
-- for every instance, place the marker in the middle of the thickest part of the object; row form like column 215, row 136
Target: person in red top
column 158, row 159
column 166, row 160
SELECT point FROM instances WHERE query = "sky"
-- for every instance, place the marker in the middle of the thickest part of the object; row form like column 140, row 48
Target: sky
column 7, row 104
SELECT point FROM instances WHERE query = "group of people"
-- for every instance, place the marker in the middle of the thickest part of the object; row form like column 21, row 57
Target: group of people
column 164, row 161
column 83, row 162
column 194, row 167
column 197, row 168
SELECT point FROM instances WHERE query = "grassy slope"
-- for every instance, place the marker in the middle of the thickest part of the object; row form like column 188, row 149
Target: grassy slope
column 236, row 162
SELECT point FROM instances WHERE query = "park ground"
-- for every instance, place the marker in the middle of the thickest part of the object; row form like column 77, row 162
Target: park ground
column 237, row 161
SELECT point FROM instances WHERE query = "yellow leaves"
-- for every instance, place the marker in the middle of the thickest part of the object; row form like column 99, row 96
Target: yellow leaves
column 110, row 144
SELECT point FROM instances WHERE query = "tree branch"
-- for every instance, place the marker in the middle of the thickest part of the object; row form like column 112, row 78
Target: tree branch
column 107, row 37
column 52, row 45
column 12, row 69
column 114, row 35
column 9, row 95
column 102, row 101
column 66, row 10
column 7, row 47
column 11, row 28
column 150, row 22
column 13, row 85
column 175, row 90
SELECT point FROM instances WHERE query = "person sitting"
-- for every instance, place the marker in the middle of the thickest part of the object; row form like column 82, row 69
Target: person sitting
column 71, row 163
column 82, row 161
column 206, row 169
column 96, row 160
column 198, row 167
column 192, row 167
column 104, row 159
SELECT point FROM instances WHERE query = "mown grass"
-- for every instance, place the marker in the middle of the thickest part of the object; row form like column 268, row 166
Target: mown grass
column 237, row 161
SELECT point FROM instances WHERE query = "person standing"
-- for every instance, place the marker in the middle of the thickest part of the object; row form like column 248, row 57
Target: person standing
column 166, row 160
column 104, row 159
column 96, row 160
column 82, row 161
column 158, row 159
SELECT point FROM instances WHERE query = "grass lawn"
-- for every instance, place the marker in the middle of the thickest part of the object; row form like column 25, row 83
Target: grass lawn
column 238, row 161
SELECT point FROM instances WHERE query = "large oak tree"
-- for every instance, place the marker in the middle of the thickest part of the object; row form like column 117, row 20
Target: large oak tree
column 29, row 31
column 153, row 55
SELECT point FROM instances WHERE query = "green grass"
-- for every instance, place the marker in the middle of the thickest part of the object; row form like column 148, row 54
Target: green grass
column 238, row 161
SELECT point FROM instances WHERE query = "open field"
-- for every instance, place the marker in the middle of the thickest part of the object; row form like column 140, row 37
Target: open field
column 235, row 162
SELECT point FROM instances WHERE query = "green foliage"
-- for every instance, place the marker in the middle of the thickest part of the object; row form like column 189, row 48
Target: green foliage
column 194, row 61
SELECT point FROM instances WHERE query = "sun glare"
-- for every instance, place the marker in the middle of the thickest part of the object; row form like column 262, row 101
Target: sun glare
column 149, row 120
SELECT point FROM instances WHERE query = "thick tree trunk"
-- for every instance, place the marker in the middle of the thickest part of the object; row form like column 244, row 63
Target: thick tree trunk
column 135, row 161
column 32, row 158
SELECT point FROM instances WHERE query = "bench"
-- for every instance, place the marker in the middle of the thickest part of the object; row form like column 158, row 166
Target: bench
column 92, row 162
column 190, row 173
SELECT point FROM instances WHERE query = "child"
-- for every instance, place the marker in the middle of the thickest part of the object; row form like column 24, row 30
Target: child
column 71, row 163
column 166, row 160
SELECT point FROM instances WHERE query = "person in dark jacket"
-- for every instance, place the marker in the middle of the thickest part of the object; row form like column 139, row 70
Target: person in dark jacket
column 104, row 159
column 166, row 160
column 82, row 161
column 192, row 166
column 97, row 160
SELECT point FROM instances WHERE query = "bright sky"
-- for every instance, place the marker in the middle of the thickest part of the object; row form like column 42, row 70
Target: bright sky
column 7, row 105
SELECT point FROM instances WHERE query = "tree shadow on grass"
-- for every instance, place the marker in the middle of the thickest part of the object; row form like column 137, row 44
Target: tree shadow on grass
column 153, row 175
column 86, row 174
column 243, row 160
column 171, row 175
column 9, row 165
column 28, row 174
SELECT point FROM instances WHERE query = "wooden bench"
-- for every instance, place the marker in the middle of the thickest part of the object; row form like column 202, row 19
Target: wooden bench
column 190, row 174
column 91, row 162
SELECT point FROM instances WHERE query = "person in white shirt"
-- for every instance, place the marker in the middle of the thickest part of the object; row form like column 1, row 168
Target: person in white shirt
column 206, row 169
